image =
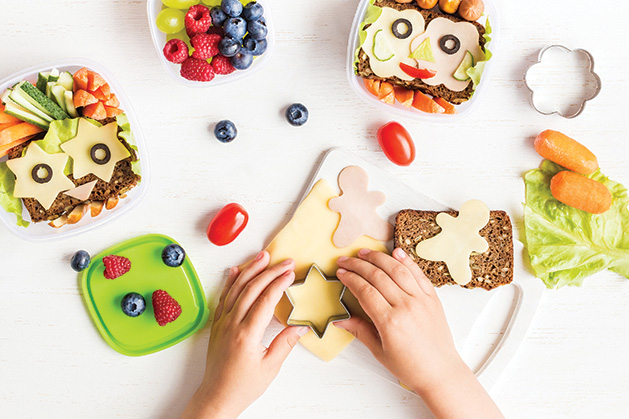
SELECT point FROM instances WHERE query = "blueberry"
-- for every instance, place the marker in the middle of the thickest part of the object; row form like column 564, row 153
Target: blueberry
column 173, row 255
column 297, row 114
column 253, row 11
column 229, row 46
column 236, row 27
column 232, row 8
column 133, row 304
column 242, row 60
column 225, row 131
column 256, row 46
column 218, row 16
column 80, row 260
column 257, row 29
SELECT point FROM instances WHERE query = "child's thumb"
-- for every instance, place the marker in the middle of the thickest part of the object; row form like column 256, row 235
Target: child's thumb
column 284, row 343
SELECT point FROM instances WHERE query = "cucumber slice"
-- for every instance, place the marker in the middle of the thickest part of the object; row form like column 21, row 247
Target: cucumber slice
column 40, row 100
column 42, row 79
column 381, row 49
column 24, row 115
column 461, row 73
column 54, row 75
column 69, row 99
column 66, row 80
column 49, row 86
column 20, row 98
column 423, row 52
column 58, row 96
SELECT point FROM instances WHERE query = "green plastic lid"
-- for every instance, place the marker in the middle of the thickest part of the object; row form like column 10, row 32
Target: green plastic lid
column 136, row 336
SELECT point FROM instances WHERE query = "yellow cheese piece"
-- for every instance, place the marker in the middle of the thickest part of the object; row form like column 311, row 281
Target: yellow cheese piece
column 26, row 186
column 88, row 136
column 307, row 239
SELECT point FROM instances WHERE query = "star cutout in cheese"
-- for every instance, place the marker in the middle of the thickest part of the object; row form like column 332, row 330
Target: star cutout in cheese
column 457, row 240
column 317, row 302
column 40, row 175
column 95, row 150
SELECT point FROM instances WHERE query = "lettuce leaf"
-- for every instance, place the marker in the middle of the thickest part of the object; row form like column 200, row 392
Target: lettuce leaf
column 58, row 133
column 10, row 203
column 476, row 72
column 566, row 245
column 371, row 15
column 127, row 135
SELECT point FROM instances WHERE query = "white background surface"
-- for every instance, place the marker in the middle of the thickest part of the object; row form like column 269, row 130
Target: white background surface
column 53, row 362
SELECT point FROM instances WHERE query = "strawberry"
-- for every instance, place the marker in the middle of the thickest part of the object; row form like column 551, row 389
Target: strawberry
column 116, row 266
column 205, row 46
column 165, row 307
column 222, row 65
column 196, row 70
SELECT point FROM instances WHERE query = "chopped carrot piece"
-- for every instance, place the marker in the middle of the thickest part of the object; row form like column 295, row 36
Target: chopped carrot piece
column 404, row 96
column 95, row 111
column 17, row 132
column 449, row 108
column 112, row 101
column 80, row 79
column 83, row 98
column 426, row 104
column 94, row 81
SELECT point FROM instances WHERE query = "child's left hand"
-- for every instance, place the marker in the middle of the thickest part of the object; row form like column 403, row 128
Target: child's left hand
column 239, row 368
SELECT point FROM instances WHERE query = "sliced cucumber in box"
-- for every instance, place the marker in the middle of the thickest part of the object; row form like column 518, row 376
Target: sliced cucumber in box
column 19, row 112
column 37, row 98
column 69, row 99
column 42, row 79
column 66, row 80
column 58, row 96
column 19, row 98
column 54, row 75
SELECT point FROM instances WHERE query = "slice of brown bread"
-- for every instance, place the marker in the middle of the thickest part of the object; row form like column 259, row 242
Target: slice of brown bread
column 122, row 180
column 489, row 270
column 363, row 68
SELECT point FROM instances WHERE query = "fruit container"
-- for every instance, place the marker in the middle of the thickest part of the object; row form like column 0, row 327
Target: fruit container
column 41, row 231
column 141, row 335
column 159, row 40
column 463, row 110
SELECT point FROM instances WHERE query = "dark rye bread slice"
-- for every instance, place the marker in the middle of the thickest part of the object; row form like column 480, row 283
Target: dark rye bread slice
column 489, row 270
column 122, row 180
column 363, row 68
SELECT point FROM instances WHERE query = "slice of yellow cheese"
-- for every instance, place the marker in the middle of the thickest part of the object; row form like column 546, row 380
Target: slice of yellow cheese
column 307, row 239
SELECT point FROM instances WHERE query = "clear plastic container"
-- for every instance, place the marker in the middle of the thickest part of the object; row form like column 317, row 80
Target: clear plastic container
column 42, row 231
column 159, row 40
column 463, row 110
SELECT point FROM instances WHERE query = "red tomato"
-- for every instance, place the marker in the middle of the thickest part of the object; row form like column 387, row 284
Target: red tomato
column 230, row 221
column 396, row 143
column 418, row 73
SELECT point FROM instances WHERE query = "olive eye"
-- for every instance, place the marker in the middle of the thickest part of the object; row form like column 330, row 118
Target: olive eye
column 449, row 44
column 41, row 173
column 402, row 28
column 100, row 154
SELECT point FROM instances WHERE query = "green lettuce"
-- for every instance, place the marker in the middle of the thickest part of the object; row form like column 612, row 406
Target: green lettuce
column 371, row 15
column 566, row 245
column 476, row 72
column 58, row 133
column 10, row 203
column 127, row 135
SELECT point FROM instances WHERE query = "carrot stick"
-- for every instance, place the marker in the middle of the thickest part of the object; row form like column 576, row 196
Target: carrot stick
column 581, row 192
column 566, row 152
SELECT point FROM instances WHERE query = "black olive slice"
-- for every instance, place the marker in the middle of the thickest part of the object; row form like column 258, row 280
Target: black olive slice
column 104, row 160
column 396, row 31
column 39, row 179
column 455, row 45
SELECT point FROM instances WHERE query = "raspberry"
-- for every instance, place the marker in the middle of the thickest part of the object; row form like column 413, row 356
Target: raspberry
column 198, row 19
column 205, row 46
column 222, row 65
column 218, row 30
column 196, row 70
column 165, row 307
column 176, row 51
column 116, row 266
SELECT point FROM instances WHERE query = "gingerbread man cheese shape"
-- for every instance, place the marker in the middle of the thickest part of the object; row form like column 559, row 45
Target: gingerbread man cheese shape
column 457, row 240
column 357, row 207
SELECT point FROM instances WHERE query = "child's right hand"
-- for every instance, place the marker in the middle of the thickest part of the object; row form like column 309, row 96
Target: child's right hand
column 409, row 334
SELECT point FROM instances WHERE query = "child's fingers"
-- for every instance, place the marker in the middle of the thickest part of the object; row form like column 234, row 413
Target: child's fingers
column 365, row 332
column 368, row 296
column 420, row 277
column 399, row 272
column 233, row 274
column 261, row 311
column 251, row 271
column 375, row 276
column 283, row 344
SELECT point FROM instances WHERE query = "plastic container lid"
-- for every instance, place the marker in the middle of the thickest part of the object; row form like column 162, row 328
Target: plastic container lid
column 159, row 40
column 42, row 231
column 463, row 110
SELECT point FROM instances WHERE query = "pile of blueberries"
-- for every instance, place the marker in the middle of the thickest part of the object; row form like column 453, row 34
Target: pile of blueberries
column 244, row 29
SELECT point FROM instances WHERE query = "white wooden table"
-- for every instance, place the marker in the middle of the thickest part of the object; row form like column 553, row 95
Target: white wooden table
column 53, row 362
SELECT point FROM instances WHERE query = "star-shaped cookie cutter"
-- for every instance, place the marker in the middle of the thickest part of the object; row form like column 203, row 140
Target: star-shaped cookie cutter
column 304, row 322
column 595, row 77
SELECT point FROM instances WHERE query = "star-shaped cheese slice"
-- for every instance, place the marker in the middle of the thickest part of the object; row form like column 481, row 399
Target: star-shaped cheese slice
column 95, row 150
column 40, row 175
column 317, row 302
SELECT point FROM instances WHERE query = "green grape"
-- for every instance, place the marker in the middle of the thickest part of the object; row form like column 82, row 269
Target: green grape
column 180, row 4
column 212, row 3
column 170, row 20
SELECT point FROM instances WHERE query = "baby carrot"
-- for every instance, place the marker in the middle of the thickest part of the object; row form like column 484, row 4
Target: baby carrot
column 566, row 152
column 581, row 192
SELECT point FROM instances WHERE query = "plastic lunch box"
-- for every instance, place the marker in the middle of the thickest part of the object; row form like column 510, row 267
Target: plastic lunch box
column 159, row 40
column 42, row 231
column 463, row 110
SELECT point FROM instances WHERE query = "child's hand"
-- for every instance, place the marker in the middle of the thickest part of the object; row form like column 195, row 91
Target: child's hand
column 410, row 334
column 239, row 368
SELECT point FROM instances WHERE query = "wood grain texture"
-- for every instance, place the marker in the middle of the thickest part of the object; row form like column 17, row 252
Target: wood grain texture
column 53, row 362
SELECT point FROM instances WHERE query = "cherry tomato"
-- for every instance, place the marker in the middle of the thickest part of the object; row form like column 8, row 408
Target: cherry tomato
column 418, row 73
column 396, row 143
column 230, row 221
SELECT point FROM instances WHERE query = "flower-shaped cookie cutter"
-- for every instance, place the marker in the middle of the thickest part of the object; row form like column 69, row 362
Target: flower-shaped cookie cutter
column 594, row 79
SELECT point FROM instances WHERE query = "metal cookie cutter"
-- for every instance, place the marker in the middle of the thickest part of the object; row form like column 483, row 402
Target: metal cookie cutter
column 317, row 329
column 595, row 78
